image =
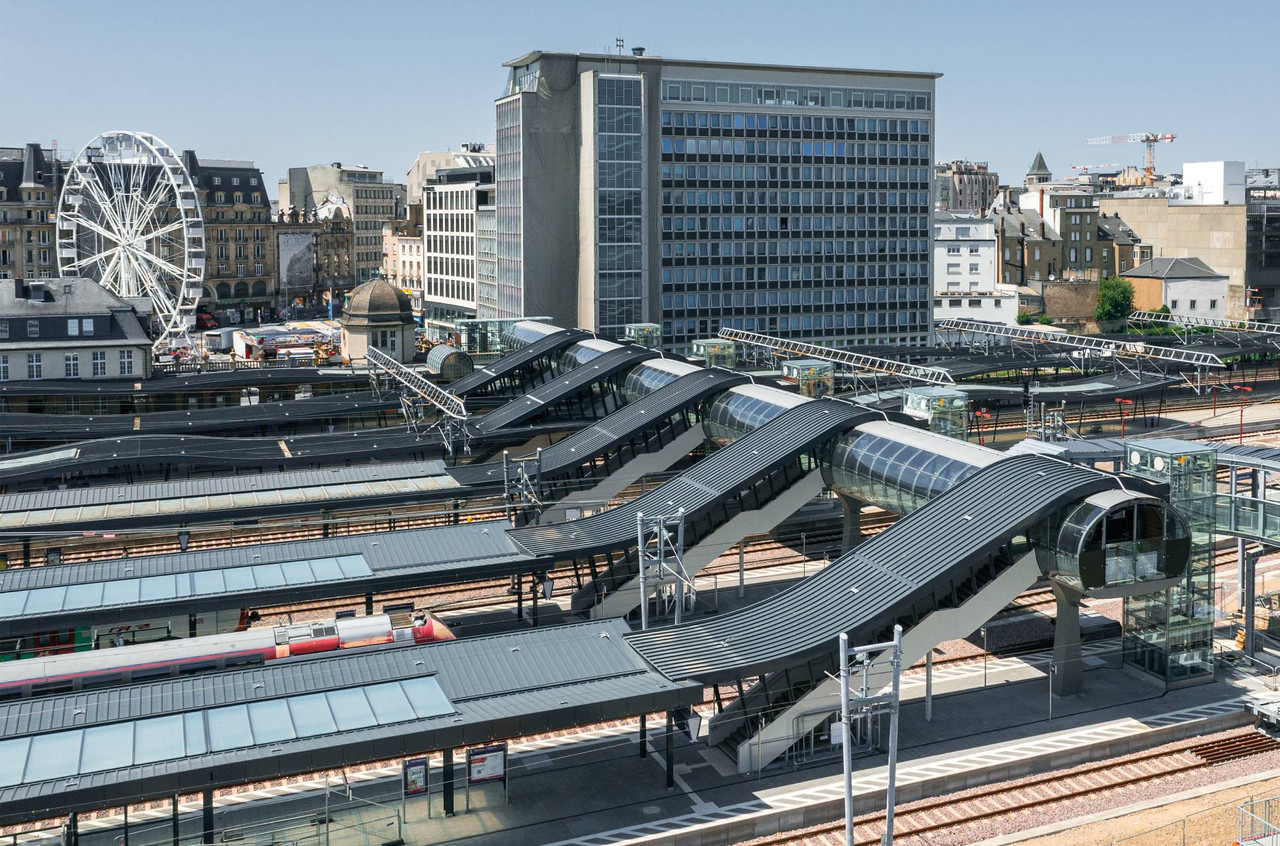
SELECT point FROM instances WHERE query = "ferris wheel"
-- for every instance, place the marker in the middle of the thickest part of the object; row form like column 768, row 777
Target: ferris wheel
column 129, row 218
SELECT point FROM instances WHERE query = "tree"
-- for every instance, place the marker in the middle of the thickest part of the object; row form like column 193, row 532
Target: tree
column 1115, row 299
column 1044, row 320
column 1025, row 317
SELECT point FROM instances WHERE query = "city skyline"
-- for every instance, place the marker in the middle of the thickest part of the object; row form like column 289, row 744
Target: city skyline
column 1009, row 80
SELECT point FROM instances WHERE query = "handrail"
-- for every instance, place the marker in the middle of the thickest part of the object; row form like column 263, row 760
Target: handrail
column 1121, row 349
column 862, row 361
column 448, row 404
column 1192, row 322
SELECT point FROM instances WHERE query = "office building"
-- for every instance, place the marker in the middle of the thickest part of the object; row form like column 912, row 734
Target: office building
column 782, row 199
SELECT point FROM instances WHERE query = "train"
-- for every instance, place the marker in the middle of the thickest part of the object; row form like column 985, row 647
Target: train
column 85, row 638
column 176, row 657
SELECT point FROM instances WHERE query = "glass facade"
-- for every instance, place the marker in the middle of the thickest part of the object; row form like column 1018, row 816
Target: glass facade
column 740, row 411
column 1170, row 633
column 1101, row 546
column 66, row 754
column 509, row 211
column 813, row 223
column 644, row 379
column 896, row 476
column 619, row 189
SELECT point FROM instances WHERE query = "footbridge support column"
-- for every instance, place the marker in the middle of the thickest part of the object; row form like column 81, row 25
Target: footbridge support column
column 1068, row 675
column 852, row 534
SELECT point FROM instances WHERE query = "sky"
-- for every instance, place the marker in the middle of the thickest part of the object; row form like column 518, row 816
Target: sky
column 296, row 83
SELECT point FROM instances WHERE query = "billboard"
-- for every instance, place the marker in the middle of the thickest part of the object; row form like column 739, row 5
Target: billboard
column 297, row 261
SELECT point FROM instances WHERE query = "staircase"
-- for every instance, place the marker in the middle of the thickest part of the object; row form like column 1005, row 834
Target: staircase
column 782, row 710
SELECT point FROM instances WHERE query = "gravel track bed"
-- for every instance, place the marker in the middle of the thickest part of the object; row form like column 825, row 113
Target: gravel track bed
column 1105, row 799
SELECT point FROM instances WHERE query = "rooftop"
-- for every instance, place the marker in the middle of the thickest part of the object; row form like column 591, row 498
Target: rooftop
column 535, row 55
column 1174, row 268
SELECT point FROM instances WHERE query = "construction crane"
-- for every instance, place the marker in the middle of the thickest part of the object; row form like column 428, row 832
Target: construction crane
column 1148, row 138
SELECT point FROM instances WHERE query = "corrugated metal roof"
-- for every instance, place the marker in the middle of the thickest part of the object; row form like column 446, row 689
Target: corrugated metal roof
column 883, row 578
column 552, row 678
column 564, row 386
column 788, row 435
column 572, row 452
column 508, row 364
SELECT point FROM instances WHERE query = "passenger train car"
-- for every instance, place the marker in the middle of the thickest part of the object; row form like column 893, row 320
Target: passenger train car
column 85, row 638
column 187, row 656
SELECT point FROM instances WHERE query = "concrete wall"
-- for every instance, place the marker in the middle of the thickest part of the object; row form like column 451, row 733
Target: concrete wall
column 1213, row 234
column 1210, row 297
column 1070, row 300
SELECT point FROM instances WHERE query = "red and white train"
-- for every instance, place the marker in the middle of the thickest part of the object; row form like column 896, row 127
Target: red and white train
column 185, row 656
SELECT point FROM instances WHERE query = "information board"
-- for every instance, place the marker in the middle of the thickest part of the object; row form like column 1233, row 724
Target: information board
column 415, row 776
column 487, row 763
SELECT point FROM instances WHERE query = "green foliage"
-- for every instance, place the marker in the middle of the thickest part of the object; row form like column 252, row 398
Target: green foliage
column 1115, row 299
column 1163, row 310
column 1025, row 317
column 1044, row 320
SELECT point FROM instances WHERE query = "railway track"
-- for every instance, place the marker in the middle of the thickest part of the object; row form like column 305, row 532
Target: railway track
column 1028, row 795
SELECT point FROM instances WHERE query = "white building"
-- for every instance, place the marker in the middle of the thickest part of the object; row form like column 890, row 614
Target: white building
column 965, row 271
column 1209, row 184
column 451, row 246
column 69, row 329
column 371, row 200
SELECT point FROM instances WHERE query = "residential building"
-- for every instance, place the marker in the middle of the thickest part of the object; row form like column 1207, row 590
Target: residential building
column 1187, row 286
column 371, row 200
column 402, row 251
column 30, row 180
column 965, row 265
column 240, row 243
column 424, row 168
column 699, row 195
column 69, row 328
column 962, row 186
column 1029, row 249
column 1208, row 220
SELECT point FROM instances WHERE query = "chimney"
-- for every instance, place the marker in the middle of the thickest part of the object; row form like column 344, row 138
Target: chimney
column 1022, row 227
column 1042, row 229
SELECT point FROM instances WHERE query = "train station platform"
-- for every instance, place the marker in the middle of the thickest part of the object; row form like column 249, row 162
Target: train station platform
column 248, row 497
column 282, row 416
column 594, row 789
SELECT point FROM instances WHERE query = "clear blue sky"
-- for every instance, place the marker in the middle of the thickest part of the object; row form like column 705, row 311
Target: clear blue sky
column 295, row 83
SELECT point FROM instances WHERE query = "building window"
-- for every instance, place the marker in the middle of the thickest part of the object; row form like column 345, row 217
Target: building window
column 217, row 180
column 973, row 267
column 1037, row 253
column 126, row 362
column 73, row 327
column 962, row 232
column 953, row 251
column 973, row 251
column 1088, row 253
column 4, row 328
column 1074, row 255
column 100, row 363
column 1173, row 305
column 86, row 326
column 953, row 268
column 235, row 180
column 1213, row 305
column 33, row 328
column 4, row 368
column 1192, row 305
column 35, row 369
column 72, row 366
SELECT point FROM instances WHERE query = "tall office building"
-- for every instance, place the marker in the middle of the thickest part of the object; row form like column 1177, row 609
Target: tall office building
column 698, row 195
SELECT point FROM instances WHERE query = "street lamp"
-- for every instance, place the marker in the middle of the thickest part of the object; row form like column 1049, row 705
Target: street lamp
column 1121, row 402
column 1243, row 389
column 980, row 416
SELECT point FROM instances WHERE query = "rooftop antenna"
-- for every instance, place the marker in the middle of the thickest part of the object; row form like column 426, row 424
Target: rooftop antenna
column 620, row 44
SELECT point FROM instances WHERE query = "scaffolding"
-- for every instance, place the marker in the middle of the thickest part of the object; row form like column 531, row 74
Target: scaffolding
column 660, row 546
column 860, row 363
column 426, row 405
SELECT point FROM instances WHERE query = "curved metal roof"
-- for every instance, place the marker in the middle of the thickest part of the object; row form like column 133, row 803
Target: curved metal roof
column 512, row 362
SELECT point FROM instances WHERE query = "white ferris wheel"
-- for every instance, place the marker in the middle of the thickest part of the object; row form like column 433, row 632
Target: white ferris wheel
column 129, row 218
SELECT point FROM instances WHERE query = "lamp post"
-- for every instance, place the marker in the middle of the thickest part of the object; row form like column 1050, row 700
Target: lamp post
column 1121, row 402
column 981, row 417
column 983, row 630
column 1243, row 389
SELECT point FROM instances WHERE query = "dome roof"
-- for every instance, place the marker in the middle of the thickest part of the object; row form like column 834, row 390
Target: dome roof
column 378, row 301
